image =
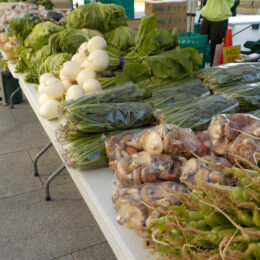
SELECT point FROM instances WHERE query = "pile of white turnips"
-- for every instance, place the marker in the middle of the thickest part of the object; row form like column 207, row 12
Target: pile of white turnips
column 77, row 77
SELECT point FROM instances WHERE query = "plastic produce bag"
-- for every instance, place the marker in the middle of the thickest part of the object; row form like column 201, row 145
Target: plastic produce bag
column 224, row 129
column 199, row 169
column 246, row 147
column 196, row 114
column 55, row 15
column 232, row 73
column 137, row 206
column 85, row 151
column 156, row 154
column 127, row 92
column 247, row 94
column 96, row 118
column 169, row 96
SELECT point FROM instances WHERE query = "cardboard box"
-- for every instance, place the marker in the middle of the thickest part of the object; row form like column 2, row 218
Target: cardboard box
column 134, row 23
column 61, row 4
column 169, row 14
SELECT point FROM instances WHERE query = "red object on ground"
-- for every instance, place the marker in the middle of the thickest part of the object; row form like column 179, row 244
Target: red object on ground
column 227, row 43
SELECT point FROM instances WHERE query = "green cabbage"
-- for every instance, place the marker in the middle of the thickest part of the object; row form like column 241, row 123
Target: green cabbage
column 69, row 40
column 40, row 35
column 102, row 17
column 50, row 64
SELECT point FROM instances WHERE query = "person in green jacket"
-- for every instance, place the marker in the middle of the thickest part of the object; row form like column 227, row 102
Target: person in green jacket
column 215, row 21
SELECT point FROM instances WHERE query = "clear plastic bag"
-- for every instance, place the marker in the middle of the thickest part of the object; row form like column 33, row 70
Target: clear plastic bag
column 224, row 129
column 137, row 206
column 198, row 169
column 246, row 147
column 155, row 154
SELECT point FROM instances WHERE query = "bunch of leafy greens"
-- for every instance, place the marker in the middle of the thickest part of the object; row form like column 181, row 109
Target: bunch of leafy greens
column 50, row 64
column 23, row 62
column 98, row 16
column 69, row 40
column 151, row 40
column 175, row 64
column 22, row 27
column 40, row 34
column 122, row 38
column 46, row 3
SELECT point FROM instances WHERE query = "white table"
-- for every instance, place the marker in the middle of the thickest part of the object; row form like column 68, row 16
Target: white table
column 95, row 186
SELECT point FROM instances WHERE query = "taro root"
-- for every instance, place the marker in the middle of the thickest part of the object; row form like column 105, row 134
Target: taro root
column 224, row 129
column 130, row 213
column 246, row 147
column 140, row 159
column 111, row 144
column 200, row 170
column 136, row 207
column 152, row 142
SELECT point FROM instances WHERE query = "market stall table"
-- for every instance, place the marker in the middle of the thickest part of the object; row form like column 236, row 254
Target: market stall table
column 95, row 186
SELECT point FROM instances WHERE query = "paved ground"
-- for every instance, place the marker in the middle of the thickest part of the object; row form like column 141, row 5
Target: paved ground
column 30, row 227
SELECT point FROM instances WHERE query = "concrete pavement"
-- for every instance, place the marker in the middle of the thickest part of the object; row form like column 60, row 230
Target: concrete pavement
column 30, row 227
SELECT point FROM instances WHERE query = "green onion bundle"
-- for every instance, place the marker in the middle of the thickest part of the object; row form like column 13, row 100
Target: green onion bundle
column 86, row 152
column 169, row 96
column 248, row 95
column 196, row 114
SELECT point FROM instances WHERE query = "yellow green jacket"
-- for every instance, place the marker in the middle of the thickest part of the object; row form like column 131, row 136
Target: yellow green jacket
column 217, row 10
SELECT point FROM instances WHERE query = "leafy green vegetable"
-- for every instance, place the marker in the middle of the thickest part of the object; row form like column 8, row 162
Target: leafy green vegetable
column 40, row 35
column 69, row 40
column 122, row 38
column 50, row 64
column 175, row 64
column 151, row 40
column 24, row 58
column 133, row 72
column 22, row 27
column 98, row 16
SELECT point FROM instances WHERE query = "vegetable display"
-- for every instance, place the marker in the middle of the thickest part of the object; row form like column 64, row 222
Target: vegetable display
column 131, row 100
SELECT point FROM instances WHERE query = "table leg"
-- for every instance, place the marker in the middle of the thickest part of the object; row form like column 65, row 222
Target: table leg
column 44, row 149
column 12, row 97
column 53, row 176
